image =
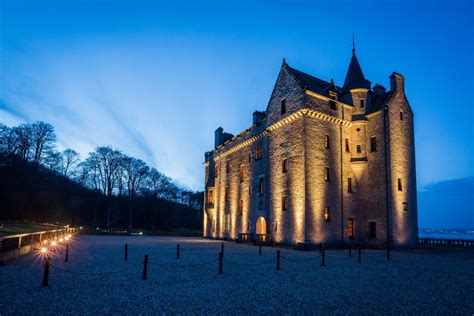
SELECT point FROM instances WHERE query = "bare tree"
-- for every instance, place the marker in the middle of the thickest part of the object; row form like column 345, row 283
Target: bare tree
column 135, row 172
column 43, row 139
column 70, row 158
column 23, row 141
column 105, row 162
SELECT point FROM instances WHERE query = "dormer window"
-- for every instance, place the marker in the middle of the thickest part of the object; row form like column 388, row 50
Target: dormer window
column 283, row 107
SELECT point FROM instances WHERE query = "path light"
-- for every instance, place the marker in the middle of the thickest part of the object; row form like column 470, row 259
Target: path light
column 69, row 236
column 66, row 238
column 61, row 240
column 141, row 233
column 44, row 250
column 45, row 241
column 54, row 243
column 80, row 227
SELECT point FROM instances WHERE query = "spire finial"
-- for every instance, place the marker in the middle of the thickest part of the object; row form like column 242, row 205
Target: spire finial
column 353, row 43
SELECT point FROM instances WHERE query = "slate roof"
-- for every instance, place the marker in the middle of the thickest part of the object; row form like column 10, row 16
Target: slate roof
column 355, row 77
column 378, row 101
column 309, row 82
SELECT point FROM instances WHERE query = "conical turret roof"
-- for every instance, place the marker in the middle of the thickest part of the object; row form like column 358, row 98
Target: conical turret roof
column 355, row 77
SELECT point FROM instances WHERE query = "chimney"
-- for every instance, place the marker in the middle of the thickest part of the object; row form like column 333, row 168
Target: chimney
column 219, row 137
column 397, row 82
column 379, row 89
column 258, row 117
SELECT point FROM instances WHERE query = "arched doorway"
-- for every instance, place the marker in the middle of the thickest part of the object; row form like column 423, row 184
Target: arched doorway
column 261, row 227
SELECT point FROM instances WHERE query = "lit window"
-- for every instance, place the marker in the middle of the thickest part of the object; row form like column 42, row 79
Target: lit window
column 349, row 185
column 326, row 142
column 227, row 166
column 327, row 215
column 372, row 230
column 359, row 149
column 241, row 173
column 373, row 144
column 326, row 174
column 350, row 228
column 261, row 186
column 283, row 166
column 283, row 107
column 347, row 146
column 284, row 203
column 362, row 103
column 210, row 197
column 258, row 153
column 400, row 184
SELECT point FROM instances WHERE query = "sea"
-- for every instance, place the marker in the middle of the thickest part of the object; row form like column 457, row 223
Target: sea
column 446, row 234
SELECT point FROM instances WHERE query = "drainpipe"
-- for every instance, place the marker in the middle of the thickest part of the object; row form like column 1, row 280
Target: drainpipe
column 387, row 169
column 342, row 178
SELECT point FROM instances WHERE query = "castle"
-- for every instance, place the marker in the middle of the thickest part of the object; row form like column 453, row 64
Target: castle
column 323, row 164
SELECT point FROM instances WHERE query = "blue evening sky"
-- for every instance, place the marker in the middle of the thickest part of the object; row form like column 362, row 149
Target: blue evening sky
column 155, row 79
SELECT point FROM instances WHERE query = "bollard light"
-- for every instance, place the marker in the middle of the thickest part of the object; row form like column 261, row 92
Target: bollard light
column 61, row 240
column 69, row 236
column 54, row 243
column 44, row 250
column 66, row 238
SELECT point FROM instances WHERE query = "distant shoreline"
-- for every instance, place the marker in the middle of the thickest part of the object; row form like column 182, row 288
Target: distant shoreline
column 460, row 234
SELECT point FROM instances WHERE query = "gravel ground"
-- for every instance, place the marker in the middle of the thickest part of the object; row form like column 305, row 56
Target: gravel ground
column 97, row 280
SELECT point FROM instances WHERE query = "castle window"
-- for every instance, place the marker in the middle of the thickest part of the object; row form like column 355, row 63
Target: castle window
column 283, row 107
column 284, row 166
column 327, row 215
column 214, row 225
column 241, row 207
column 210, row 197
column 227, row 166
column 227, row 222
column 250, row 190
column 284, row 203
column 258, row 153
column 241, row 173
column 372, row 230
column 326, row 174
column 327, row 144
column 373, row 144
column 332, row 104
column 261, row 186
column 349, row 185
column 400, row 184
column 401, row 115
column 359, row 149
column 226, row 193
column 362, row 103
column 347, row 146
column 350, row 228
column 215, row 172
column 250, row 157
column 405, row 206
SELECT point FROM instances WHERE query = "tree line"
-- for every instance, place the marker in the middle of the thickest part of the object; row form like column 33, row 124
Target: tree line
column 118, row 189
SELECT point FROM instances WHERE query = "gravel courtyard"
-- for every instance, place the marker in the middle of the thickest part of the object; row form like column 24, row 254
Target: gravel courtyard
column 97, row 280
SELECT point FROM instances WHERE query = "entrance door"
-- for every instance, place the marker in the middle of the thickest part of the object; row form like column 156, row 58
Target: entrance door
column 261, row 227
